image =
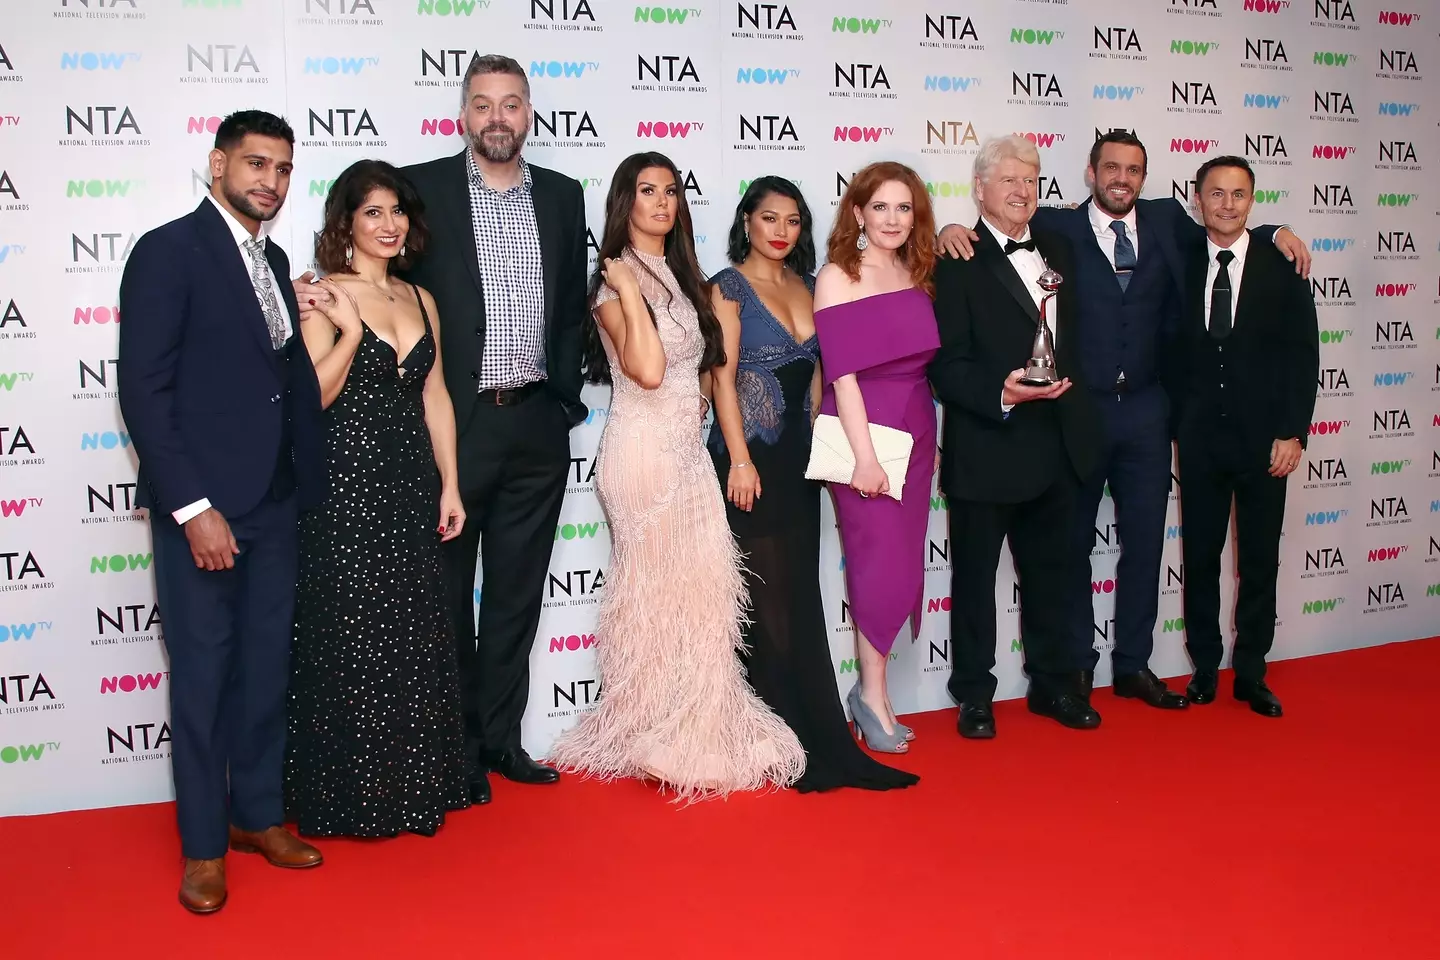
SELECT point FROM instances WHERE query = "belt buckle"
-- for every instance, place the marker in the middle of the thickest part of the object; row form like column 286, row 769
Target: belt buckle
column 504, row 397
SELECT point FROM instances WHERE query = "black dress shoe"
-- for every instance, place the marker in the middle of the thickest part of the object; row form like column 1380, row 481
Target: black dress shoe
column 517, row 767
column 1148, row 688
column 479, row 790
column 1259, row 696
column 1067, row 708
column 977, row 721
column 1201, row 688
column 1087, row 684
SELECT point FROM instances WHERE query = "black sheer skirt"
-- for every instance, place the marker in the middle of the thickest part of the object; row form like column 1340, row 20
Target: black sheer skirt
column 788, row 656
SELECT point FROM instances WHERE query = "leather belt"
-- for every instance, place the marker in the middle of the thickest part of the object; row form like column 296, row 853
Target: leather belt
column 509, row 396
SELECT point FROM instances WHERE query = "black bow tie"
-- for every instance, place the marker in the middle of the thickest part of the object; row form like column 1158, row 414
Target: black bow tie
column 1011, row 246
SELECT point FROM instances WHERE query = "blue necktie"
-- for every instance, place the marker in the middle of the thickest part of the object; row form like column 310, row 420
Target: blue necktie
column 1124, row 254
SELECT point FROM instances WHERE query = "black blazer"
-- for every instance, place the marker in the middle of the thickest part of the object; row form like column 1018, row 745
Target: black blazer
column 200, row 388
column 1272, row 355
column 450, row 270
column 987, row 323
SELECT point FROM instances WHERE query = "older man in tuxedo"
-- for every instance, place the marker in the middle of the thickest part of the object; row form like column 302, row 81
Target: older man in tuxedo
column 1015, row 455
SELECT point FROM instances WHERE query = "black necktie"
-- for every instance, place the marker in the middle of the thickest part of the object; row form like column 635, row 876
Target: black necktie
column 1220, row 297
column 1011, row 246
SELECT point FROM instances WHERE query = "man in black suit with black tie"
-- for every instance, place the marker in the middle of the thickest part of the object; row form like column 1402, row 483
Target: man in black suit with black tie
column 1015, row 455
column 507, row 264
column 1247, row 359
column 221, row 400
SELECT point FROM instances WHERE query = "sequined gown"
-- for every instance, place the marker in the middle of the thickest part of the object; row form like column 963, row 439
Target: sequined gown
column 375, row 746
column 675, row 706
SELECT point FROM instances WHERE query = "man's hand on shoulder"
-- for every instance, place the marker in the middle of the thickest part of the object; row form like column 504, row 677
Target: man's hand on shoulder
column 957, row 241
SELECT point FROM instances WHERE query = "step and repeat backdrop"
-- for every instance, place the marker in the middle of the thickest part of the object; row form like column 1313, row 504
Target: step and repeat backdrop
column 108, row 109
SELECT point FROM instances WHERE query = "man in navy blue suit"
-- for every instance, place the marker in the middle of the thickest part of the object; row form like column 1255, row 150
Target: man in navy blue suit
column 1130, row 273
column 223, row 405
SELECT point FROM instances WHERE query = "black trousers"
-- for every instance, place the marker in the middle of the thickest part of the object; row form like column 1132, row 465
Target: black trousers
column 1216, row 466
column 227, row 633
column 513, row 461
column 1037, row 530
column 1136, row 463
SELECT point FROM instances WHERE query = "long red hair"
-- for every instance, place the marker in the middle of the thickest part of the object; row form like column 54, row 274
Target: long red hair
column 918, row 253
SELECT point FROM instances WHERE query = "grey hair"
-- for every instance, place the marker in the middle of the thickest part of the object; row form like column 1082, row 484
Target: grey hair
column 995, row 149
column 490, row 63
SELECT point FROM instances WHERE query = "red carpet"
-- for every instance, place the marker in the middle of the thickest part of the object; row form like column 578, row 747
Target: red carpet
column 1210, row 833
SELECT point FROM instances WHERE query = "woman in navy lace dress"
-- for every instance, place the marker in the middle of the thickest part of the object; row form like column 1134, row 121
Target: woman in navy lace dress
column 765, row 395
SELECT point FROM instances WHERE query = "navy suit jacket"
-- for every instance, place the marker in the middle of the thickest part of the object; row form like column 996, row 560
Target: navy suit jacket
column 201, row 390
column 1163, row 223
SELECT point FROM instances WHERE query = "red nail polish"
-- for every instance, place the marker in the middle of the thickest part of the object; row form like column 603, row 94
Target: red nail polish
column 312, row 303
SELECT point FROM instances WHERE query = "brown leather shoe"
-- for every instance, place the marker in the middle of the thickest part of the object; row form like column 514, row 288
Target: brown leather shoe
column 202, row 889
column 281, row 847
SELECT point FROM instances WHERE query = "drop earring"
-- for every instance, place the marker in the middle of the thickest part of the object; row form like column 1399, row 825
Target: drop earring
column 862, row 241
column 349, row 254
column 403, row 248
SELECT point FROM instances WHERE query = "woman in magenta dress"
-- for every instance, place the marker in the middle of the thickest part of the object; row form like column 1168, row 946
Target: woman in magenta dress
column 876, row 325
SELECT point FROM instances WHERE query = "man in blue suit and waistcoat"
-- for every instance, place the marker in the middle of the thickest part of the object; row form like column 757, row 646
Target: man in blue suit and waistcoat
column 1129, row 278
column 221, row 400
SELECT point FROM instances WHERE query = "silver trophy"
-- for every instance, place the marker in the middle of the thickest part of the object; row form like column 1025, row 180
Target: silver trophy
column 1040, row 370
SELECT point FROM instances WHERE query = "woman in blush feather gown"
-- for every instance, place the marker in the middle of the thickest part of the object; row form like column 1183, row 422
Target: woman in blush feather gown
column 675, row 706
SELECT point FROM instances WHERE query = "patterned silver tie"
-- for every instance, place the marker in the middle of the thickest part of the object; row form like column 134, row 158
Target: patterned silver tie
column 265, row 292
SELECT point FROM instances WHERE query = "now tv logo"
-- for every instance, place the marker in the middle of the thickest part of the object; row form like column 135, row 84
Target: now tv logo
column 581, row 641
column 101, row 315
column 862, row 134
column 1321, row 606
column 1394, row 289
column 1328, row 428
column 667, row 129
column 16, row 508
column 130, row 683
column 1382, row 554
column 1266, row 6
column 1330, row 152
column 947, row 84
column 1042, row 139
column 1394, row 18
column 937, row 605
column 1188, row 145
column 441, row 127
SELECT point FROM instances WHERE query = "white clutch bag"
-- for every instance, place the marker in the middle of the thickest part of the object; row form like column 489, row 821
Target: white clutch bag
column 832, row 460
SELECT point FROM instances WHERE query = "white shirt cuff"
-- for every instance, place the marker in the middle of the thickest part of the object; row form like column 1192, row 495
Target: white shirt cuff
column 187, row 513
column 1005, row 407
column 1275, row 239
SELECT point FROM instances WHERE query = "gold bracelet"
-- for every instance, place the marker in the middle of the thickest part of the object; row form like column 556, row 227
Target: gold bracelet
column 737, row 466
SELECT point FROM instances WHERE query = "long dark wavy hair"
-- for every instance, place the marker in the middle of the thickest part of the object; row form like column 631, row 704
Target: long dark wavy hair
column 679, row 257
column 801, row 258
column 347, row 194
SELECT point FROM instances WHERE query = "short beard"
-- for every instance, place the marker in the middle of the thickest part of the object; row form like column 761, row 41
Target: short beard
column 242, row 203
column 1103, row 201
column 496, row 153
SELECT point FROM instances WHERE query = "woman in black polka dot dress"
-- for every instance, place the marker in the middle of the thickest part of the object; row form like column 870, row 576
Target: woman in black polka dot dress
column 376, row 744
